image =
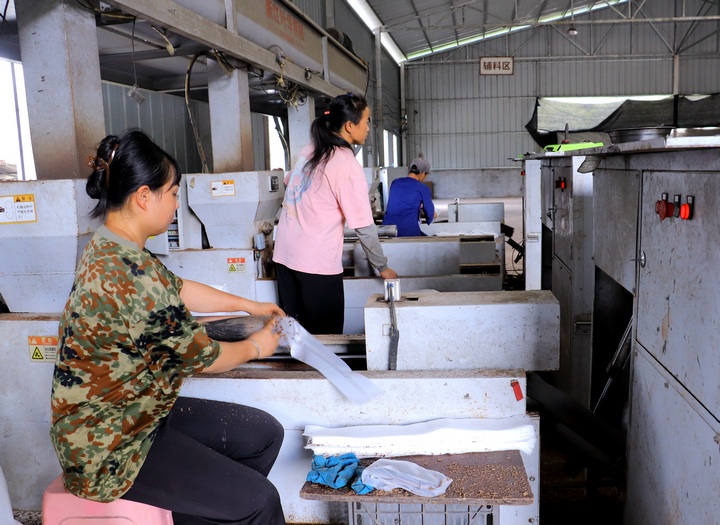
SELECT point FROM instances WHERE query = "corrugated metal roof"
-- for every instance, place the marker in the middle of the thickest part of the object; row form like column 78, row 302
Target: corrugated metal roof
column 424, row 27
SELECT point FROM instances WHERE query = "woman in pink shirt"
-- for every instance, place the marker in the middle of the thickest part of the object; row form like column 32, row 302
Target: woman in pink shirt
column 326, row 189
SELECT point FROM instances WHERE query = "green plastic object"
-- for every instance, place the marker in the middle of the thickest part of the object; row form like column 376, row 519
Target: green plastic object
column 573, row 146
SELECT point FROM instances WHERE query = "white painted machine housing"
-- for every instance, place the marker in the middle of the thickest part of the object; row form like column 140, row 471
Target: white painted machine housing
column 39, row 257
column 466, row 330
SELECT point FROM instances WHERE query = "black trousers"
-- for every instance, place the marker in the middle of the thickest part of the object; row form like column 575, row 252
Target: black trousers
column 209, row 464
column 316, row 301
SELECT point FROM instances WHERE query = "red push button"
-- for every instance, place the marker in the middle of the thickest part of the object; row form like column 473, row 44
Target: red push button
column 664, row 209
column 685, row 211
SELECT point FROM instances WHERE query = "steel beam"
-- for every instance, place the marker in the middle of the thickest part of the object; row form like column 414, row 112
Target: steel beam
column 189, row 24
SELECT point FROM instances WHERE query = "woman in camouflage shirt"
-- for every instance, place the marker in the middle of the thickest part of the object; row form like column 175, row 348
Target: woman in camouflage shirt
column 128, row 340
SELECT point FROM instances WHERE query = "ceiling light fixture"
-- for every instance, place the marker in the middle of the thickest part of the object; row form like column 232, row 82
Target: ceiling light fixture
column 572, row 31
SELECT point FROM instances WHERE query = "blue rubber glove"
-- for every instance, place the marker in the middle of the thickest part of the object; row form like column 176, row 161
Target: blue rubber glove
column 334, row 471
column 358, row 486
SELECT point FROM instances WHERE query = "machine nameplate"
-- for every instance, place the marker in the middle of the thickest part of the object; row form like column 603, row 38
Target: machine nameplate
column 42, row 347
column 236, row 264
column 222, row 188
column 17, row 208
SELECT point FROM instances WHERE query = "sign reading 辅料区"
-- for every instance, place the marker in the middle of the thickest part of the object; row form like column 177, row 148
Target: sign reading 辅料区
column 497, row 66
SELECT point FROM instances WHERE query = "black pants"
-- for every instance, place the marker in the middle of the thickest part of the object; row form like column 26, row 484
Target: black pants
column 209, row 464
column 316, row 301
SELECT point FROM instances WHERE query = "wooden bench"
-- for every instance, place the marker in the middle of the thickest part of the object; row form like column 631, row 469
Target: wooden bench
column 480, row 478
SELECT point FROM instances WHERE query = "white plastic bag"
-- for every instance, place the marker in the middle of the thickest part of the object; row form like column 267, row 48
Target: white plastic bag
column 388, row 474
column 304, row 347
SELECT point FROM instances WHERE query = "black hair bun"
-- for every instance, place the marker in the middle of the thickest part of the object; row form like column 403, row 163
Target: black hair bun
column 95, row 183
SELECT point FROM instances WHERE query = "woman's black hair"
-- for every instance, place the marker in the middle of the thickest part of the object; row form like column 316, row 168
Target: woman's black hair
column 124, row 164
column 325, row 130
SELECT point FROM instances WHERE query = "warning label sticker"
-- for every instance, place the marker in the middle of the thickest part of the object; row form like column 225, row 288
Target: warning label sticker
column 222, row 188
column 17, row 208
column 236, row 264
column 42, row 347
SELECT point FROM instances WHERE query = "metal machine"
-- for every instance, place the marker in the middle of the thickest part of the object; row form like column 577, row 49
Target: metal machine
column 43, row 228
column 660, row 196
column 652, row 230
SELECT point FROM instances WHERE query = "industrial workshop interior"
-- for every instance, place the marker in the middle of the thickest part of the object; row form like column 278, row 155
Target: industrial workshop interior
column 550, row 343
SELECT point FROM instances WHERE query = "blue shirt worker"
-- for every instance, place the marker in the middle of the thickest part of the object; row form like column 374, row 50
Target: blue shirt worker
column 408, row 197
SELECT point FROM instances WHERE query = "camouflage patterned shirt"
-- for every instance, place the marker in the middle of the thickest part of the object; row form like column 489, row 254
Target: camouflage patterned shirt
column 127, row 341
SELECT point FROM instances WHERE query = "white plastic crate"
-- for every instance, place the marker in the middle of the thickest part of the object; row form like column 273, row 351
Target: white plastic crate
column 361, row 513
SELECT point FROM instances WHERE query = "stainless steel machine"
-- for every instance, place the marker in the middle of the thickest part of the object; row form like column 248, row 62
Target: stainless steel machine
column 658, row 199
column 653, row 231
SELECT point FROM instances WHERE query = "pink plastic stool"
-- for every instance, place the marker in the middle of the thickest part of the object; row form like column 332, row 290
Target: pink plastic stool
column 59, row 507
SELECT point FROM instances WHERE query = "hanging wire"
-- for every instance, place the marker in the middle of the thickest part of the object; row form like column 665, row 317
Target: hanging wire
column 4, row 19
column 193, row 123
column 132, row 40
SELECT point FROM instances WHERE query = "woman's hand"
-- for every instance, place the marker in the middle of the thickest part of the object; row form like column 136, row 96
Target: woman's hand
column 259, row 345
column 267, row 338
column 388, row 273
column 266, row 309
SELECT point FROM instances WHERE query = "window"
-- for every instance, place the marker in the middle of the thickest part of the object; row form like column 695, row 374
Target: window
column 390, row 143
column 16, row 158
column 275, row 146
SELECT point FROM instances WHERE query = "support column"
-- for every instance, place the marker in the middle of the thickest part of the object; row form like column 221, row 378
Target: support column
column 230, row 122
column 379, row 111
column 61, row 65
column 299, row 121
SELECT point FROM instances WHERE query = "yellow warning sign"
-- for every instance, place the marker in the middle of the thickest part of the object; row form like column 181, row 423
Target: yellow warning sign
column 222, row 188
column 17, row 208
column 42, row 347
column 236, row 264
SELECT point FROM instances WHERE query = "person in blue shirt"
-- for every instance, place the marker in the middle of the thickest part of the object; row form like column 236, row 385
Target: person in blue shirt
column 408, row 198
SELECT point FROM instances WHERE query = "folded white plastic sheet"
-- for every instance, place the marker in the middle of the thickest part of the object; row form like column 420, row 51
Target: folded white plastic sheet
column 438, row 436
column 306, row 348
column 389, row 474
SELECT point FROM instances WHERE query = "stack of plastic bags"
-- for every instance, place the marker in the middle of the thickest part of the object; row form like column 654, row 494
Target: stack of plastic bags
column 439, row 436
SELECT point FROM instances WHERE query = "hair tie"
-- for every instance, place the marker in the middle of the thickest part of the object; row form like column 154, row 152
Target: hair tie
column 112, row 154
column 96, row 163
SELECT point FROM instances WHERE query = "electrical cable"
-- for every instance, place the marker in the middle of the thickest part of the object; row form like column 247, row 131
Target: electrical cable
column 120, row 16
column 193, row 124
column 132, row 40
column 4, row 19
column 163, row 34
column 283, row 141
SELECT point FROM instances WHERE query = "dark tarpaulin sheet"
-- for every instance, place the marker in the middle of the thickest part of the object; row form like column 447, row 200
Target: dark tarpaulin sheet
column 550, row 116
